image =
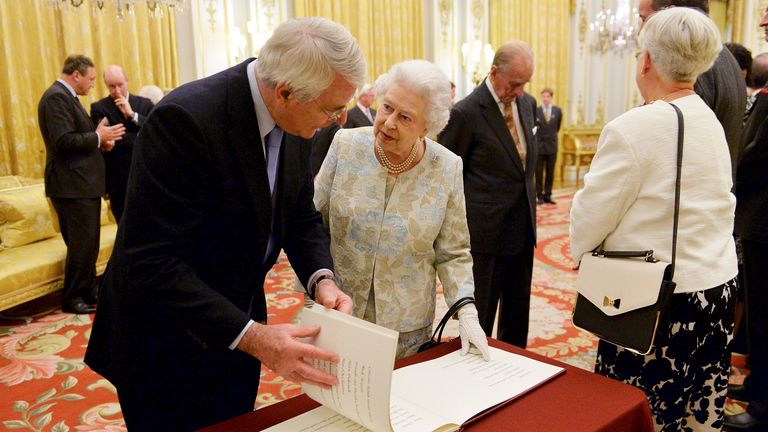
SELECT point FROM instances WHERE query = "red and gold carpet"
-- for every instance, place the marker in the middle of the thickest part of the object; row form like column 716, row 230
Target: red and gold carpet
column 47, row 387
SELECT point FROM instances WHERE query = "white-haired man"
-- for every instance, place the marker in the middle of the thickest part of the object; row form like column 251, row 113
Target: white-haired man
column 362, row 114
column 219, row 184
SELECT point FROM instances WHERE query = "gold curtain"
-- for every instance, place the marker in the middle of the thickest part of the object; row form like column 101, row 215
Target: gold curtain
column 388, row 31
column 544, row 25
column 35, row 42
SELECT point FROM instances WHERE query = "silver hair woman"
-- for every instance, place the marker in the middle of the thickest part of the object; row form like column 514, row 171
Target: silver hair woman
column 393, row 201
column 627, row 202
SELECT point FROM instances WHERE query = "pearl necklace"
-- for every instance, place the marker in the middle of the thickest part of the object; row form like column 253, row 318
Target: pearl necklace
column 402, row 166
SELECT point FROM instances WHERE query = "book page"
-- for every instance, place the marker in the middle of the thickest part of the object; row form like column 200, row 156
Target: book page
column 320, row 419
column 456, row 387
column 366, row 359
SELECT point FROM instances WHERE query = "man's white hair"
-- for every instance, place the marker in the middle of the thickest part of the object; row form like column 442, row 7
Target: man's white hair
column 428, row 82
column 683, row 43
column 306, row 54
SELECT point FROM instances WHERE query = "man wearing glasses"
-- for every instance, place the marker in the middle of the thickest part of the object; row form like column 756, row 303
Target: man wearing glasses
column 219, row 184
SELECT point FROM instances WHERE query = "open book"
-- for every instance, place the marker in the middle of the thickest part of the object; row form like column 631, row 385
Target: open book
column 435, row 395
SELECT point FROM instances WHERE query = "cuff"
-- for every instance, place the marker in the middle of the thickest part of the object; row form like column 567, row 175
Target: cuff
column 239, row 337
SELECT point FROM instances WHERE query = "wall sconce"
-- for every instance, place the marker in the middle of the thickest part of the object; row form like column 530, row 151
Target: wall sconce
column 477, row 58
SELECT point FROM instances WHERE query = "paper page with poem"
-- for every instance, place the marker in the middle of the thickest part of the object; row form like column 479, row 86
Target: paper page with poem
column 366, row 359
column 456, row 388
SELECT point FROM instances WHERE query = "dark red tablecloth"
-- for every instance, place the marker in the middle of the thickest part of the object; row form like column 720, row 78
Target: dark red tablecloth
column 575, row 401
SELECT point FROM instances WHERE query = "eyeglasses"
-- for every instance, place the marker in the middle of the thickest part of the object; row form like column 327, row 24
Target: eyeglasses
column 332, row 116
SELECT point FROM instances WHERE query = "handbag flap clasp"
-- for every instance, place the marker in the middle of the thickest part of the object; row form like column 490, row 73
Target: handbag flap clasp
column 620, row 285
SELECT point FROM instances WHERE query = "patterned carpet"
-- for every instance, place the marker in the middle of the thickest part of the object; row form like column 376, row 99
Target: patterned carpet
column 47, row 387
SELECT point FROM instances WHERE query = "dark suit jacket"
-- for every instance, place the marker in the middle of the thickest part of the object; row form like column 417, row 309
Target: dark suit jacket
column 73, row 164
column 187, row 270
column 723, row 88
column 356, row 118
column 501, row 202
column 321, row 142
column 118, row 161
column 546, row 134
column 751, row 187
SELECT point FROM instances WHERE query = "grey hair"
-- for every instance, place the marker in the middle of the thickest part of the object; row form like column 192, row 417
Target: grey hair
column 364, row 89
column 428, row 82
column 306, row 54
column 683, row 43
column 510, row 51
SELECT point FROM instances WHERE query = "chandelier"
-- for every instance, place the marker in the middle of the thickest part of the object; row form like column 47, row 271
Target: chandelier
column 123, row 8
column 614, row 30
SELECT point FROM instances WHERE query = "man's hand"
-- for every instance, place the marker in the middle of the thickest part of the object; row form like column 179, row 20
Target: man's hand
column 331, row 296
column 109, row 133
column 107, row 146
column 277, row 348
column 124, row 106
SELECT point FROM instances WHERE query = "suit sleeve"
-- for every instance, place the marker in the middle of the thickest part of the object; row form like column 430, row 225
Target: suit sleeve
column 96, row 114
column 62, row 130
column 457, row 134
column 306, row 241
column 143, row 110
column 175, row 183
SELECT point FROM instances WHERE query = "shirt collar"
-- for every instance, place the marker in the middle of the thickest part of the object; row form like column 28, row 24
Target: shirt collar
column 265, row 121
column 493, row 92
column 69, row 87
column 362, row 108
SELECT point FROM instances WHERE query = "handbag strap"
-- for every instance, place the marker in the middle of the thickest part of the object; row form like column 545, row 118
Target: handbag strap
column 451, row 312
column 680, row 134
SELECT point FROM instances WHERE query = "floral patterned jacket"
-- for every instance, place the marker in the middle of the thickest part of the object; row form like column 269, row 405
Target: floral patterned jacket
column 397, row 246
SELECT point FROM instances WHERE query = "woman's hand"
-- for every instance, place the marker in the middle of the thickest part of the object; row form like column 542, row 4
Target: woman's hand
column 471, row 332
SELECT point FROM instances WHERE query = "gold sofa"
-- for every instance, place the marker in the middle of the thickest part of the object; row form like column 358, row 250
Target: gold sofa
column 32, row 252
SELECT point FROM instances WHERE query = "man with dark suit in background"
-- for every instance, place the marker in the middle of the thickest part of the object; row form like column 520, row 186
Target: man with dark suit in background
column 220, row 182
column 131, row 111
column 74, row 176
column 362, row 114
column 548, row 120
column 722, row 87
column 492, row 131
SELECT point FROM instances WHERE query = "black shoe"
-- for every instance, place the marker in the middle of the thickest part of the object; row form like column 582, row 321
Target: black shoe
column 91, row 299
column 78, row 308
column 539, row 201
column 739, row 392
column 744, row 422
column 548, row 200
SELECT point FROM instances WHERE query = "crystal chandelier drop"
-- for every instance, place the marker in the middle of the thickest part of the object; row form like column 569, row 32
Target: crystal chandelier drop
column 123, row 8
column 614, row 30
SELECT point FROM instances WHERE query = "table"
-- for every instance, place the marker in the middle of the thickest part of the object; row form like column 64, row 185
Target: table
column 574, row 401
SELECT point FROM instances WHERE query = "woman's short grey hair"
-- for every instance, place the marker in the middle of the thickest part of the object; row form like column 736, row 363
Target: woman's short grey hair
column 683, row 43
column 306, row 54
column 428, row 82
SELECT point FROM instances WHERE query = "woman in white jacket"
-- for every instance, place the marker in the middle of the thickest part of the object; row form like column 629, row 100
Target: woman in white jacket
column 628, row 202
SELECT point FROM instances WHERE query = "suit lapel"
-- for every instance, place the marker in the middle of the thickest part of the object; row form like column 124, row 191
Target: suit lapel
column 492, row 115
column 245, row 139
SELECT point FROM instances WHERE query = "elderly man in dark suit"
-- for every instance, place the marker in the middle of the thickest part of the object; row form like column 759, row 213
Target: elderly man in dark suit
column 220, row 183
column 131, row 111
column 362, row 114
column 74, row 176
column 492, row 131
column 722, row 87
column 548, row 120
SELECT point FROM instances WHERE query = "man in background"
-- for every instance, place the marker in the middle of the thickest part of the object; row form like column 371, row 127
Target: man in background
column 492, row 130
column 751, row 226
column 220, row 183
column 362, row 114
column 548, row 119
column 131, row 111
column 74, row 176
column 722, row 87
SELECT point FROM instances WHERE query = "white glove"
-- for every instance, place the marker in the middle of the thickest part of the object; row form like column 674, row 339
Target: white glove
column 471, row 332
